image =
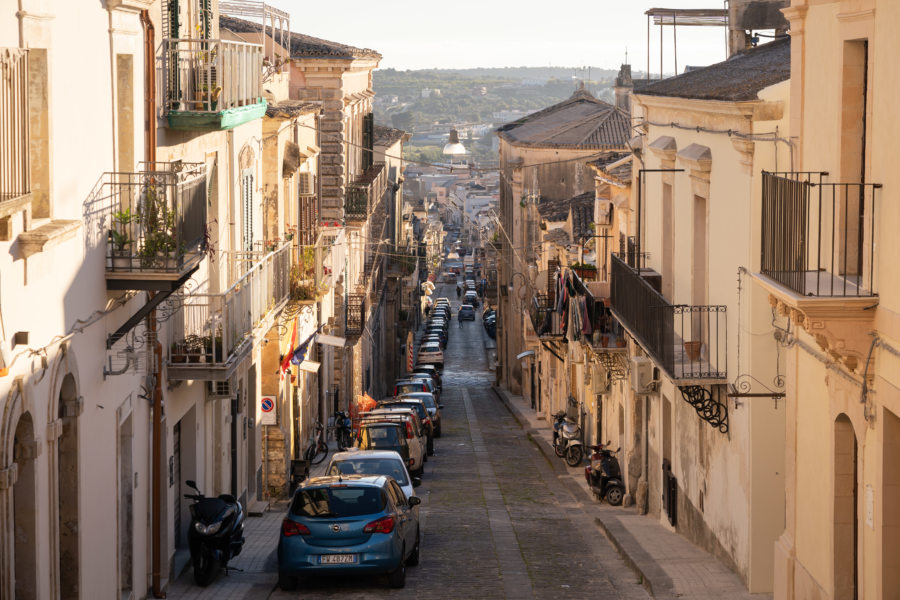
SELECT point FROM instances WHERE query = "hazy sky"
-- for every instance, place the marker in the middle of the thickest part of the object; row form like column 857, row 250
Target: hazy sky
column 498, row 33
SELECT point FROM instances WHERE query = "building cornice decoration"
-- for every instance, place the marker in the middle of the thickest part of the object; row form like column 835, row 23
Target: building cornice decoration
column 698, row 159
column 840, row 326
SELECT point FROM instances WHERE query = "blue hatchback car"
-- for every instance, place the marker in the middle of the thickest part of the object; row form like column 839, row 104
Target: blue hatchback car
column 339, row 525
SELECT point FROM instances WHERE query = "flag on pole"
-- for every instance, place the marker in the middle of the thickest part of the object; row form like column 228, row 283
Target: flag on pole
column 286, row 361
column 299, row 355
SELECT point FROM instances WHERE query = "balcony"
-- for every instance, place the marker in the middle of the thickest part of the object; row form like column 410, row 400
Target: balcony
column 688, row 342
column 155, row 223
column 211, row 85
column 15, row 174
column 818, row 238
column 354, row 315
column 363, row 195
column 212, row 333
column 548, row 324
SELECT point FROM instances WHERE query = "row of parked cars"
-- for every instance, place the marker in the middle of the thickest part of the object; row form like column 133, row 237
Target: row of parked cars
column 363, row 515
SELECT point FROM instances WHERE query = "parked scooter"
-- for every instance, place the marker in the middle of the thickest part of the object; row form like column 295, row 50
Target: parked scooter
column 567, row 439
column 342, row 430
column 216, row 534
column 604, row 475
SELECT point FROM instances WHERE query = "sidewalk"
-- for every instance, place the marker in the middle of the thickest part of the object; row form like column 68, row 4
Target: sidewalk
column 669, row 565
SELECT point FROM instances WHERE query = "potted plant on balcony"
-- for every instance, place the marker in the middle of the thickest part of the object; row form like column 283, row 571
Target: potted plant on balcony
column 212, row 347
column 585, row 271
column 118, row 238
column 158, row 224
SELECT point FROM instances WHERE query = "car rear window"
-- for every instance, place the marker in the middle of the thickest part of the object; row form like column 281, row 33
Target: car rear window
column 371, row 466
column 379, row 437
column 431, row 347
column 331, row 502
column 420, row 409
column 402, row 388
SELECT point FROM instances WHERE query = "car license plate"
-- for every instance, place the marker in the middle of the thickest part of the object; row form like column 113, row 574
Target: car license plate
column 337, row 559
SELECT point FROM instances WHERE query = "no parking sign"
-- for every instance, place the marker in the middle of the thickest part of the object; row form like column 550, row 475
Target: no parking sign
column 267, row 408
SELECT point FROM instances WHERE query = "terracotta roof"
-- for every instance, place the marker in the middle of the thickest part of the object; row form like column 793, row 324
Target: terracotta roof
column 618, row 172
column 302, row 45
column 582, row 215
column 737, row 79
column 560, row 236
column 581, row 122
column 386, row 136
column 558, row 210
column 291, row 108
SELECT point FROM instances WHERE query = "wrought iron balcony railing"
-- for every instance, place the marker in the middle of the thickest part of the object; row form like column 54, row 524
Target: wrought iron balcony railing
column 547, row 322
column 15, row 174
column 818, row 238
column 363, row 195
column 211, row 84
column 212, row 332
column 688, row 342
column 155, row 222
column 354, row 315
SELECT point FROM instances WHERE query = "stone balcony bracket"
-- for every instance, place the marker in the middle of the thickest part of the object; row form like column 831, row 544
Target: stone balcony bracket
column 841, row 326
column 46, row 236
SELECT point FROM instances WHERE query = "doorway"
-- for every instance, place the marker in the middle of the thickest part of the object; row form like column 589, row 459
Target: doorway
column 126, row 506
column 67, row 493
column 890, row 520
column 24, row 508
column 846, row 499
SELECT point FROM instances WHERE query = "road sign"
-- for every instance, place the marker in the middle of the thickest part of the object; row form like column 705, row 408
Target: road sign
column 267, row 406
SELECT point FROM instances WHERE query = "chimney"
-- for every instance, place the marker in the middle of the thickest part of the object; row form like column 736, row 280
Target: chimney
column 623, row 88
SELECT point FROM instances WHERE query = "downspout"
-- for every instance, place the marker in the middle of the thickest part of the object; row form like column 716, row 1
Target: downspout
column 156, row 435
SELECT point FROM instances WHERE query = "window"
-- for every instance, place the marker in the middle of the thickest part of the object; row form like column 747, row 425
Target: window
column 247, row 210
column 15, row 173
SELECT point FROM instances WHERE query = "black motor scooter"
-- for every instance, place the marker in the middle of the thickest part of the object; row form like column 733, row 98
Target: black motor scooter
column 216, row 534
column 604, row 475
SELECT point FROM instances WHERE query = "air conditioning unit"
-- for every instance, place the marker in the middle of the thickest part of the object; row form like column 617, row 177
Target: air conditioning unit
column 599, row 379
column 641, row 375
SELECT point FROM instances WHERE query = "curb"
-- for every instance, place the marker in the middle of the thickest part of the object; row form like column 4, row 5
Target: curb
column 652, row 576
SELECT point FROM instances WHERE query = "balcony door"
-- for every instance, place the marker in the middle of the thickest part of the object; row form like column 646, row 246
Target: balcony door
column 699, row 267
column 247, row 210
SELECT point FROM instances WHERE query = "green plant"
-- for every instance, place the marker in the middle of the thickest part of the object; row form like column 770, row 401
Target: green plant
column 118, row 235
column 157, row 221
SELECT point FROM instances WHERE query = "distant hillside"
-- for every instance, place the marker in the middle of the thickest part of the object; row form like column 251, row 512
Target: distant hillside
column 417, row 100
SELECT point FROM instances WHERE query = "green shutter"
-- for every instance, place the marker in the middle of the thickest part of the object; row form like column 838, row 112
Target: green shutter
column 247, row 210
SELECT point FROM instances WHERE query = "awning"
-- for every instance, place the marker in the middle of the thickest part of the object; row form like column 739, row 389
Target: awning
column 330, row 340
column 309, row 366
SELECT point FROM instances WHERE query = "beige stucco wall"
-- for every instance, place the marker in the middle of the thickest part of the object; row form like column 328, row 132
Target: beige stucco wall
column 823, row 390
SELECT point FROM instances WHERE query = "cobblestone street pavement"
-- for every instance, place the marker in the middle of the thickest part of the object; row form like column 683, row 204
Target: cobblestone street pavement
column 498, row 521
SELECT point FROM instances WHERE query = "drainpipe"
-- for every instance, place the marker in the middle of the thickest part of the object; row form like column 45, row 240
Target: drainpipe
column 156, row 436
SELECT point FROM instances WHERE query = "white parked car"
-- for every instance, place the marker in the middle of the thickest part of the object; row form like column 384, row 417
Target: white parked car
column 430, row 353
column 416, row 436
column 374, row 462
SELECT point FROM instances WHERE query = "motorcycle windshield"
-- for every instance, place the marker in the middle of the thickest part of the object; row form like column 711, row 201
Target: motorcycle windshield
column 208, row 510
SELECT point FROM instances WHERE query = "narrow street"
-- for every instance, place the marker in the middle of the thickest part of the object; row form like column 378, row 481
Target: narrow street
column 499, row 521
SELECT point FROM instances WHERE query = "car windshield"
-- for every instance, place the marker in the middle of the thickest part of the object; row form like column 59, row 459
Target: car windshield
column 328, row 502
column 371, row 466
column 380, row 437
column 410, row 387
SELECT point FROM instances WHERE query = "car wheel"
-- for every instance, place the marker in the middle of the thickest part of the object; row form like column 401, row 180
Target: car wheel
column 287, row 582
column 413, row 559
column 397, row 577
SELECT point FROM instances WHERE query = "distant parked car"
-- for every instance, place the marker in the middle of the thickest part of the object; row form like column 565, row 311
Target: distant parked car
column 431, row 353
column 345, row 524
column 374, row 462
column 466, row 313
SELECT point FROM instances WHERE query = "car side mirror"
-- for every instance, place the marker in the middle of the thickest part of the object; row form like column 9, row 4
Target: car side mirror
column 414, row 501
column 192, row 484
column 417, row 481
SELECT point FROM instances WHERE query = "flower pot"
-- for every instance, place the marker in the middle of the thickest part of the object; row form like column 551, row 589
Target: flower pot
column 604, row 340
column 121, row 260
column 692, row 349
column 620, row 342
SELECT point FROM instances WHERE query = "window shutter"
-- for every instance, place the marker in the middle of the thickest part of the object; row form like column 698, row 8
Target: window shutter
column 247, row 210
column 170, row 20
column 304, row 184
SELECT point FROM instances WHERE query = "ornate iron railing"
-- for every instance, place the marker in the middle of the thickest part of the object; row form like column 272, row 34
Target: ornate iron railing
column 354, row 314
column 155, row 219
column 208, row 76
column 547, row 322
column 362, row 196
column 211, row 329
column 15, row 172
column 818, row 238
column 687, row 341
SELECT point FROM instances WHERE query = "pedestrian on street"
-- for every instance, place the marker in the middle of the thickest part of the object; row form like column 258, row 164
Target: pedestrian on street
column 459, row 318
